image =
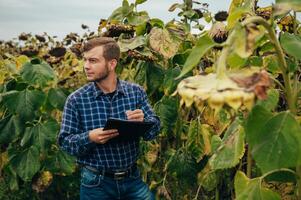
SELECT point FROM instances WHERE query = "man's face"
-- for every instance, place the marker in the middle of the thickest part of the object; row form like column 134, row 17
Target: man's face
column 96, row 66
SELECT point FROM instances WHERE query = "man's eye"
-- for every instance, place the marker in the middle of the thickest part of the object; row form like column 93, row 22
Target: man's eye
column 92, row 60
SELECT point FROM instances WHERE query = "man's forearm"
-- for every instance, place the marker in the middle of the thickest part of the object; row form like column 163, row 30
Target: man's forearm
column 75, row 144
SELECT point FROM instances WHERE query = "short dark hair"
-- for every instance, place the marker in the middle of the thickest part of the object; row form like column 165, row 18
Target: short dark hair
column 111, row 49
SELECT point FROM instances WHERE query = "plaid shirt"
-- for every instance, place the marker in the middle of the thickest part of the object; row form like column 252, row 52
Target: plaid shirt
column 89, row 108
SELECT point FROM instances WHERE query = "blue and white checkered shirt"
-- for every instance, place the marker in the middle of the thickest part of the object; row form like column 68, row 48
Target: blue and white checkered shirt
column 89, row 108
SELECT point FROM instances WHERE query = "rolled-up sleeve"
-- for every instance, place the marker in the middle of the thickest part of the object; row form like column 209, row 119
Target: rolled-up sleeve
column 71, row 138
column 149, row 115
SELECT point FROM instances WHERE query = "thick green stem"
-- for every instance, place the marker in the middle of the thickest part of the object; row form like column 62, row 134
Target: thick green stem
column 216, row 193
column 290, row 97
column 249, row 163
column 222, row 61
column 290, row 92
column 299, row 182
column 296, row 81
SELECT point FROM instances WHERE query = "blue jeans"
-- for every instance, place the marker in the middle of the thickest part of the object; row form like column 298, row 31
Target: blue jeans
column 97, row 187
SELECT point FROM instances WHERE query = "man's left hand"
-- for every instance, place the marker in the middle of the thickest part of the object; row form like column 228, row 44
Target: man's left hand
column 135, row 115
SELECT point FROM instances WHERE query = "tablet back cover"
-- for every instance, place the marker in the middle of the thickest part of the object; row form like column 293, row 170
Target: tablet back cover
column 128, row 130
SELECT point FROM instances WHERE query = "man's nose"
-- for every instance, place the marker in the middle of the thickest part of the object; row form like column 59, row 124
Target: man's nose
column 86, row 66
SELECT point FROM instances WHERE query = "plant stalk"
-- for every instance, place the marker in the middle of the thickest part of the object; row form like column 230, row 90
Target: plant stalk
column 298, row 170
column 197, row 193
column 216, row 194
column 249, row 163
column 290, row 97
column 222, row 61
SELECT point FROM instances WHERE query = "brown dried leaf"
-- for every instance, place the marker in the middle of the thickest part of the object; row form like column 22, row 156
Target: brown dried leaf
column 161, row 41
column 258, row 82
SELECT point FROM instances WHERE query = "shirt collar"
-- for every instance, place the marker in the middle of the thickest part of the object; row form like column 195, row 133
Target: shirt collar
column 97, row 91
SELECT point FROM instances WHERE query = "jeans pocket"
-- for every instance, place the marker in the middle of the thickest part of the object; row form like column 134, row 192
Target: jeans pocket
column 90, row 179
column 135, row 174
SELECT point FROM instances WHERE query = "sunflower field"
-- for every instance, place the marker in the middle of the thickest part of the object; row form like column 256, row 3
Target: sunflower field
column 228, row 96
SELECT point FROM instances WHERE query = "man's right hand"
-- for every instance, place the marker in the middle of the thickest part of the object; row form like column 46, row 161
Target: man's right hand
column 101, row 136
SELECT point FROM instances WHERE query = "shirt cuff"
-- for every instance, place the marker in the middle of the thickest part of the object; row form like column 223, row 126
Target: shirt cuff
column 153, row 132
column 85, row 141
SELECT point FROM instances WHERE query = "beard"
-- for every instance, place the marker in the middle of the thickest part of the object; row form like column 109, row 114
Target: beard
column 101, row 76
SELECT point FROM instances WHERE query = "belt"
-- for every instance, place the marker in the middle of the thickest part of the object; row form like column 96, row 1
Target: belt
column 116, row 175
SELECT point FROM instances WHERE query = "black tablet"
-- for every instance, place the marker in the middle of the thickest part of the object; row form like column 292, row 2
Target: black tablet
column 128, row 130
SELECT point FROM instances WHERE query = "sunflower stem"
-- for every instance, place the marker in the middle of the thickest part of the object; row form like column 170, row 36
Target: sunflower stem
column 216, row 194
column 222, row 60
column 221, row 63
column 197, row 193
column 290, row 92
column 290, row 97
column 249, row 163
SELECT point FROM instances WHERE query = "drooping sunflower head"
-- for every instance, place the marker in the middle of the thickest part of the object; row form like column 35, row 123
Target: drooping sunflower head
column 235, row 90
column 218, row 32
column 221, row 16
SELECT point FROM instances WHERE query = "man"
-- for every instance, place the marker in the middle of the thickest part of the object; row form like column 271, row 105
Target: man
column 109, row 168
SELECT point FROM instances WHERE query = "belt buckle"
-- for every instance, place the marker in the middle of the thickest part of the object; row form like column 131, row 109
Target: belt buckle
column 119, row 175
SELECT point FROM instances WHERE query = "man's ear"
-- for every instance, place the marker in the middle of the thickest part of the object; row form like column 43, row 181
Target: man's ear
column 113, row 64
